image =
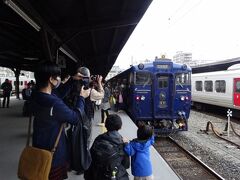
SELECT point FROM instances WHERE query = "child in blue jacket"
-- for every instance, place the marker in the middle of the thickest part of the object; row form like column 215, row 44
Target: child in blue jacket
column 139, row 150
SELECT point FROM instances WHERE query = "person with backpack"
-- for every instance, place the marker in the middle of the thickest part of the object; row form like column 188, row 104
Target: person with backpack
column 139, row 150
column 109, row 161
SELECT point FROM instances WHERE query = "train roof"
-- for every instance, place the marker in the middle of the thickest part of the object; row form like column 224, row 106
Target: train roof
column 148, row 66
column 163, row 61
column 216, row 73
column 215, row 66
column 234, row 67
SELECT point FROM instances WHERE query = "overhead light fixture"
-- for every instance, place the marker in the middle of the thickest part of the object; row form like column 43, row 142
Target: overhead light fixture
column 67, row 54
column 21, row 13
column 31, row 58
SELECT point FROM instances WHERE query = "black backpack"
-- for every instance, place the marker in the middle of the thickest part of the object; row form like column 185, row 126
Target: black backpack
column 106, row 156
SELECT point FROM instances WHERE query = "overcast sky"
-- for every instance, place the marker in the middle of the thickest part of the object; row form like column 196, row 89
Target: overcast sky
column 209, row 29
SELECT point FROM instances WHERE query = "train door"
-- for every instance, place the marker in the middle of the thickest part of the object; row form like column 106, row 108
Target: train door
column 236, row 92
column 162, row 96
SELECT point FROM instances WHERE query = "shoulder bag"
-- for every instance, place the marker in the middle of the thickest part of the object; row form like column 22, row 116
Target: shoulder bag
column 35, row 163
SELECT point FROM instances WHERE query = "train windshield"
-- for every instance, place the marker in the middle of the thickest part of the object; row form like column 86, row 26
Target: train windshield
column 183, row 79
column 143, row 78
column 163, row 82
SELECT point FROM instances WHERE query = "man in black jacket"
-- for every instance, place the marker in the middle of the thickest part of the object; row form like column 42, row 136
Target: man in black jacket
column 7, row 88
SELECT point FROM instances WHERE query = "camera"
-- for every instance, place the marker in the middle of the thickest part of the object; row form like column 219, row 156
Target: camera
column 94, row 77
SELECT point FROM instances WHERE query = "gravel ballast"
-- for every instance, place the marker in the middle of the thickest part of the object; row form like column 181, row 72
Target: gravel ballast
column 222, row 157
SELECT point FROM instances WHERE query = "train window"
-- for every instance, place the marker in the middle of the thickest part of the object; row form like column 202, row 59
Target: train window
column 237, row 87
column 124, row 81
column 208, row 86
column 183, row 79
column 143, row 78
column 163, row 82
column 220, row 86
column 131, row 79
column 198, row 85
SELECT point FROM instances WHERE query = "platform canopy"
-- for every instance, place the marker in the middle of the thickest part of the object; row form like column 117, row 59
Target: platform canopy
column 215, row 66
column 70, row 32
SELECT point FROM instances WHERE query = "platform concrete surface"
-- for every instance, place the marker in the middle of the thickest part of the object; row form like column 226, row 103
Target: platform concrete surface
column 161, row 170
column 13, row 135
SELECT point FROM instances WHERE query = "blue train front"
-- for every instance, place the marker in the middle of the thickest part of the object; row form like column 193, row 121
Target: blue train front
column 157, row 93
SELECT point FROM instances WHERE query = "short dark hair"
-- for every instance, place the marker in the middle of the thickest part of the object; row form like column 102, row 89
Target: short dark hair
column 144, row 132
column 113, row 122
column 44, row 71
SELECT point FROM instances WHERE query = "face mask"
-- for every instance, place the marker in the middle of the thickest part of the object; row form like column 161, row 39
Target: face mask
column 85, row 82
column 58, row 83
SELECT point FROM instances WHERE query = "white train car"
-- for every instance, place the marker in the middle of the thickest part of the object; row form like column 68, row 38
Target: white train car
column 23, row 81
column 220, row 88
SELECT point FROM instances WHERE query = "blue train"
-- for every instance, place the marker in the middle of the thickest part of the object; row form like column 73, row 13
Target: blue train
column 157, row 93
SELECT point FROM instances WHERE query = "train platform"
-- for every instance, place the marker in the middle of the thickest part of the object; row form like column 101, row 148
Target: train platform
column 13, row 137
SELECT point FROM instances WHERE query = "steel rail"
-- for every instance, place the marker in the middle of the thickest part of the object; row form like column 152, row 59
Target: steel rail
column 234, row 130
column 214, row 173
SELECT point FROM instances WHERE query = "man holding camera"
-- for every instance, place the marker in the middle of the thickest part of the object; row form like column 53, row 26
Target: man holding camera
column 86, row 82
column 94, row 83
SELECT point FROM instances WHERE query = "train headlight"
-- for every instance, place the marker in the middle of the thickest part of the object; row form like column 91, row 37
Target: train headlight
column 186, row 98
column 182, row 98
column 143, row 98
column 181, row 124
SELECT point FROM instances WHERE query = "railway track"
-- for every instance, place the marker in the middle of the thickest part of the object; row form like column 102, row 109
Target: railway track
column 221, row 133
column 185, row 164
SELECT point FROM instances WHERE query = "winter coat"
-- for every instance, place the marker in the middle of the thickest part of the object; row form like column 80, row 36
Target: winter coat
column 7, row 88
column 140, row 156
column 107, row 94
column 50, row 112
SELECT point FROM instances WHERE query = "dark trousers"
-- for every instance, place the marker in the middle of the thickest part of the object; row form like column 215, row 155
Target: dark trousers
column 90, row 133
column 102, row 114
column 4, row 100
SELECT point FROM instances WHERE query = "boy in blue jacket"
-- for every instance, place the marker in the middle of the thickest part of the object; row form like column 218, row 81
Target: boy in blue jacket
column 139, row 150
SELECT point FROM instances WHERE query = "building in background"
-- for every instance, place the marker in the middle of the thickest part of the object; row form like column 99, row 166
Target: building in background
column 113, row 72
column 184, row 58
